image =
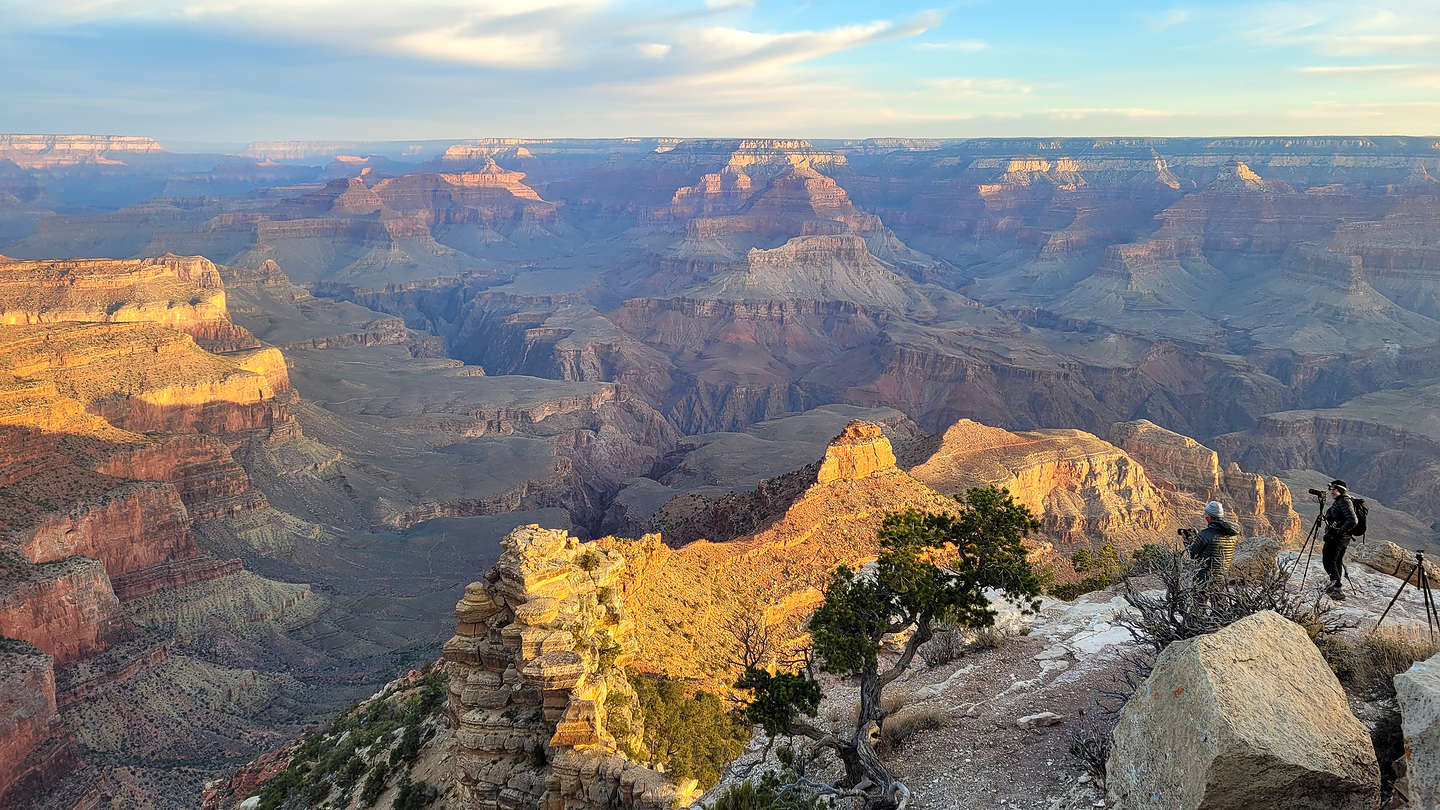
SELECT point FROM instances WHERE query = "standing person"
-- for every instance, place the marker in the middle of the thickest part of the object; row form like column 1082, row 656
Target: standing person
column 1340, row 524
column 1214, row 546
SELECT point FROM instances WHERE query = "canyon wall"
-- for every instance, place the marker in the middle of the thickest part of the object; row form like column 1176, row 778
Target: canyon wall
column 537, row 666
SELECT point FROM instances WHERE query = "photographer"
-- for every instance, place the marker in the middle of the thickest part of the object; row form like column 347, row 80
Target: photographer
column 1214, row 546
column 1340, row 524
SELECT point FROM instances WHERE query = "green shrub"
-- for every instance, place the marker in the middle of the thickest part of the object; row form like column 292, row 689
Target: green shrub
column 410, row 795
column 589, row 561
column 768, row 793
column 694, row 735
column 374, row 784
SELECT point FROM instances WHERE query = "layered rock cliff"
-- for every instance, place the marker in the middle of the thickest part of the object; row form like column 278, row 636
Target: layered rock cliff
column 536, row 671
column 773, row 547
column 47, row 151
column 183, row 293
column 1184, row 467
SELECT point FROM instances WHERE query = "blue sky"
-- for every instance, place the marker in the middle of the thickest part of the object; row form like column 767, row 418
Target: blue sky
column 236, row 70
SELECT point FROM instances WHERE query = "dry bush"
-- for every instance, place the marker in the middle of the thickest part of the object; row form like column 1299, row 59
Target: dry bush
column 950, row 644
column 1090, row 746
column 843, row 716
column 1368, row 667
column 893, row 699
column 1178, row 611
column 905, row 723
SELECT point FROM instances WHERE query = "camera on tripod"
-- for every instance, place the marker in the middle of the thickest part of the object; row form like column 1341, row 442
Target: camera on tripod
column 1187, row 534
column 1319, row 494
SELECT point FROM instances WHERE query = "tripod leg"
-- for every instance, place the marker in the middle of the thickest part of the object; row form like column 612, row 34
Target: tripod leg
column 1310, row 545
column 1432, row 618
column 1394, row 599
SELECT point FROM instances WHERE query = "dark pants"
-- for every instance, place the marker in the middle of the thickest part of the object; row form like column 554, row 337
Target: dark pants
column 1333, row 557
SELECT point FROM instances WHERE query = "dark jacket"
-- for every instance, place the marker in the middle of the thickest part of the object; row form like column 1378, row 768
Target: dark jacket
column 1340, row 520
column 1214, row 545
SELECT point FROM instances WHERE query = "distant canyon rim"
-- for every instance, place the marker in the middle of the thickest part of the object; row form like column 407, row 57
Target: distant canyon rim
column 264, row 415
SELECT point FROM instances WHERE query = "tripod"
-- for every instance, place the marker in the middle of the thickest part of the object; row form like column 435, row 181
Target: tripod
column 1307, row 548
column 1422, row 581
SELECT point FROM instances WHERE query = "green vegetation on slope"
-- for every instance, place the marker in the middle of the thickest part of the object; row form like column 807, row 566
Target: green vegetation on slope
column 374, row 740
column 693, row 734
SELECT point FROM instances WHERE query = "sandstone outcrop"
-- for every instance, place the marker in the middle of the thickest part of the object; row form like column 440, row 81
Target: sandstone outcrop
column 861, row 450
column 66, row 608
column 1181, row 465
column 1253, row 557
column 1418, row 689
column 1250, row 716
column 772, row 548
column 144, row 377
column 536, row 671
column 1388, row 558
column 35, row 750
column 1084, row 490
column 183, row 293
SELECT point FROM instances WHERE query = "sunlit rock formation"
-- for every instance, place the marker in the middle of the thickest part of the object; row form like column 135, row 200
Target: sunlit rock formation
column 537, row 669
column 183, row 293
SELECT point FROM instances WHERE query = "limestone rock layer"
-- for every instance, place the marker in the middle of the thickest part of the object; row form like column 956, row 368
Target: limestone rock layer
column 536, row 674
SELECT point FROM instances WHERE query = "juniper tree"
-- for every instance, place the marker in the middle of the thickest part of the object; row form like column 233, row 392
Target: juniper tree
column 981, row 547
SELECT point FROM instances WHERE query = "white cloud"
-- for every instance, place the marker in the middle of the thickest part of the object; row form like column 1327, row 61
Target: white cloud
column 969, row 87
column 962, row 45
column 1344, row 29
column 653, row 50
column 1080, row 113
column 1355, row 69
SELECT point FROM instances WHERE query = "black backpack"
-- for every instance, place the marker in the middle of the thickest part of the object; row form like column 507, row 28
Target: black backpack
column 1361, row 512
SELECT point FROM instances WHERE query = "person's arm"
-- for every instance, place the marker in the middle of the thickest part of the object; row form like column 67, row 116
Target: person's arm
column 1203, row 544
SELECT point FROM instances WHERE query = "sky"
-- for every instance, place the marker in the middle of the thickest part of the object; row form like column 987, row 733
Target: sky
column 230, row 71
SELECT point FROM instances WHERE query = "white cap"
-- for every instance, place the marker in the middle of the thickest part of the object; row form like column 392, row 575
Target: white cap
column 1214, row 509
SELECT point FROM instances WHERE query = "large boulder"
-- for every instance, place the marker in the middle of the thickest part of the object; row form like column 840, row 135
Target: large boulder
column 1390, row 559
column 1419, row 692
column 1253, row 557
column 1248, row 717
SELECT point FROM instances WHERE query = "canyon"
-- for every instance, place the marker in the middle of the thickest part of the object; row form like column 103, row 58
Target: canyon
column 264, row 416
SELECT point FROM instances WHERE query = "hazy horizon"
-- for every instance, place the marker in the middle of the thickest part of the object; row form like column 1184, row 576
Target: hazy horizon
column 216, row 72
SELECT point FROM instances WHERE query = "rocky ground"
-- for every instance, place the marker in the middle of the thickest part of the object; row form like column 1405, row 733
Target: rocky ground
column 984, row 753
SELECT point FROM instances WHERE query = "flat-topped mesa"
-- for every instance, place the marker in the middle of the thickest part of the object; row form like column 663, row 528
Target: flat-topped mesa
column 1261, row 504
column 752, row 156
column 45, row 151
column 184, row 293
column 536, row 675
column 488, row 149
column 861, row 450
